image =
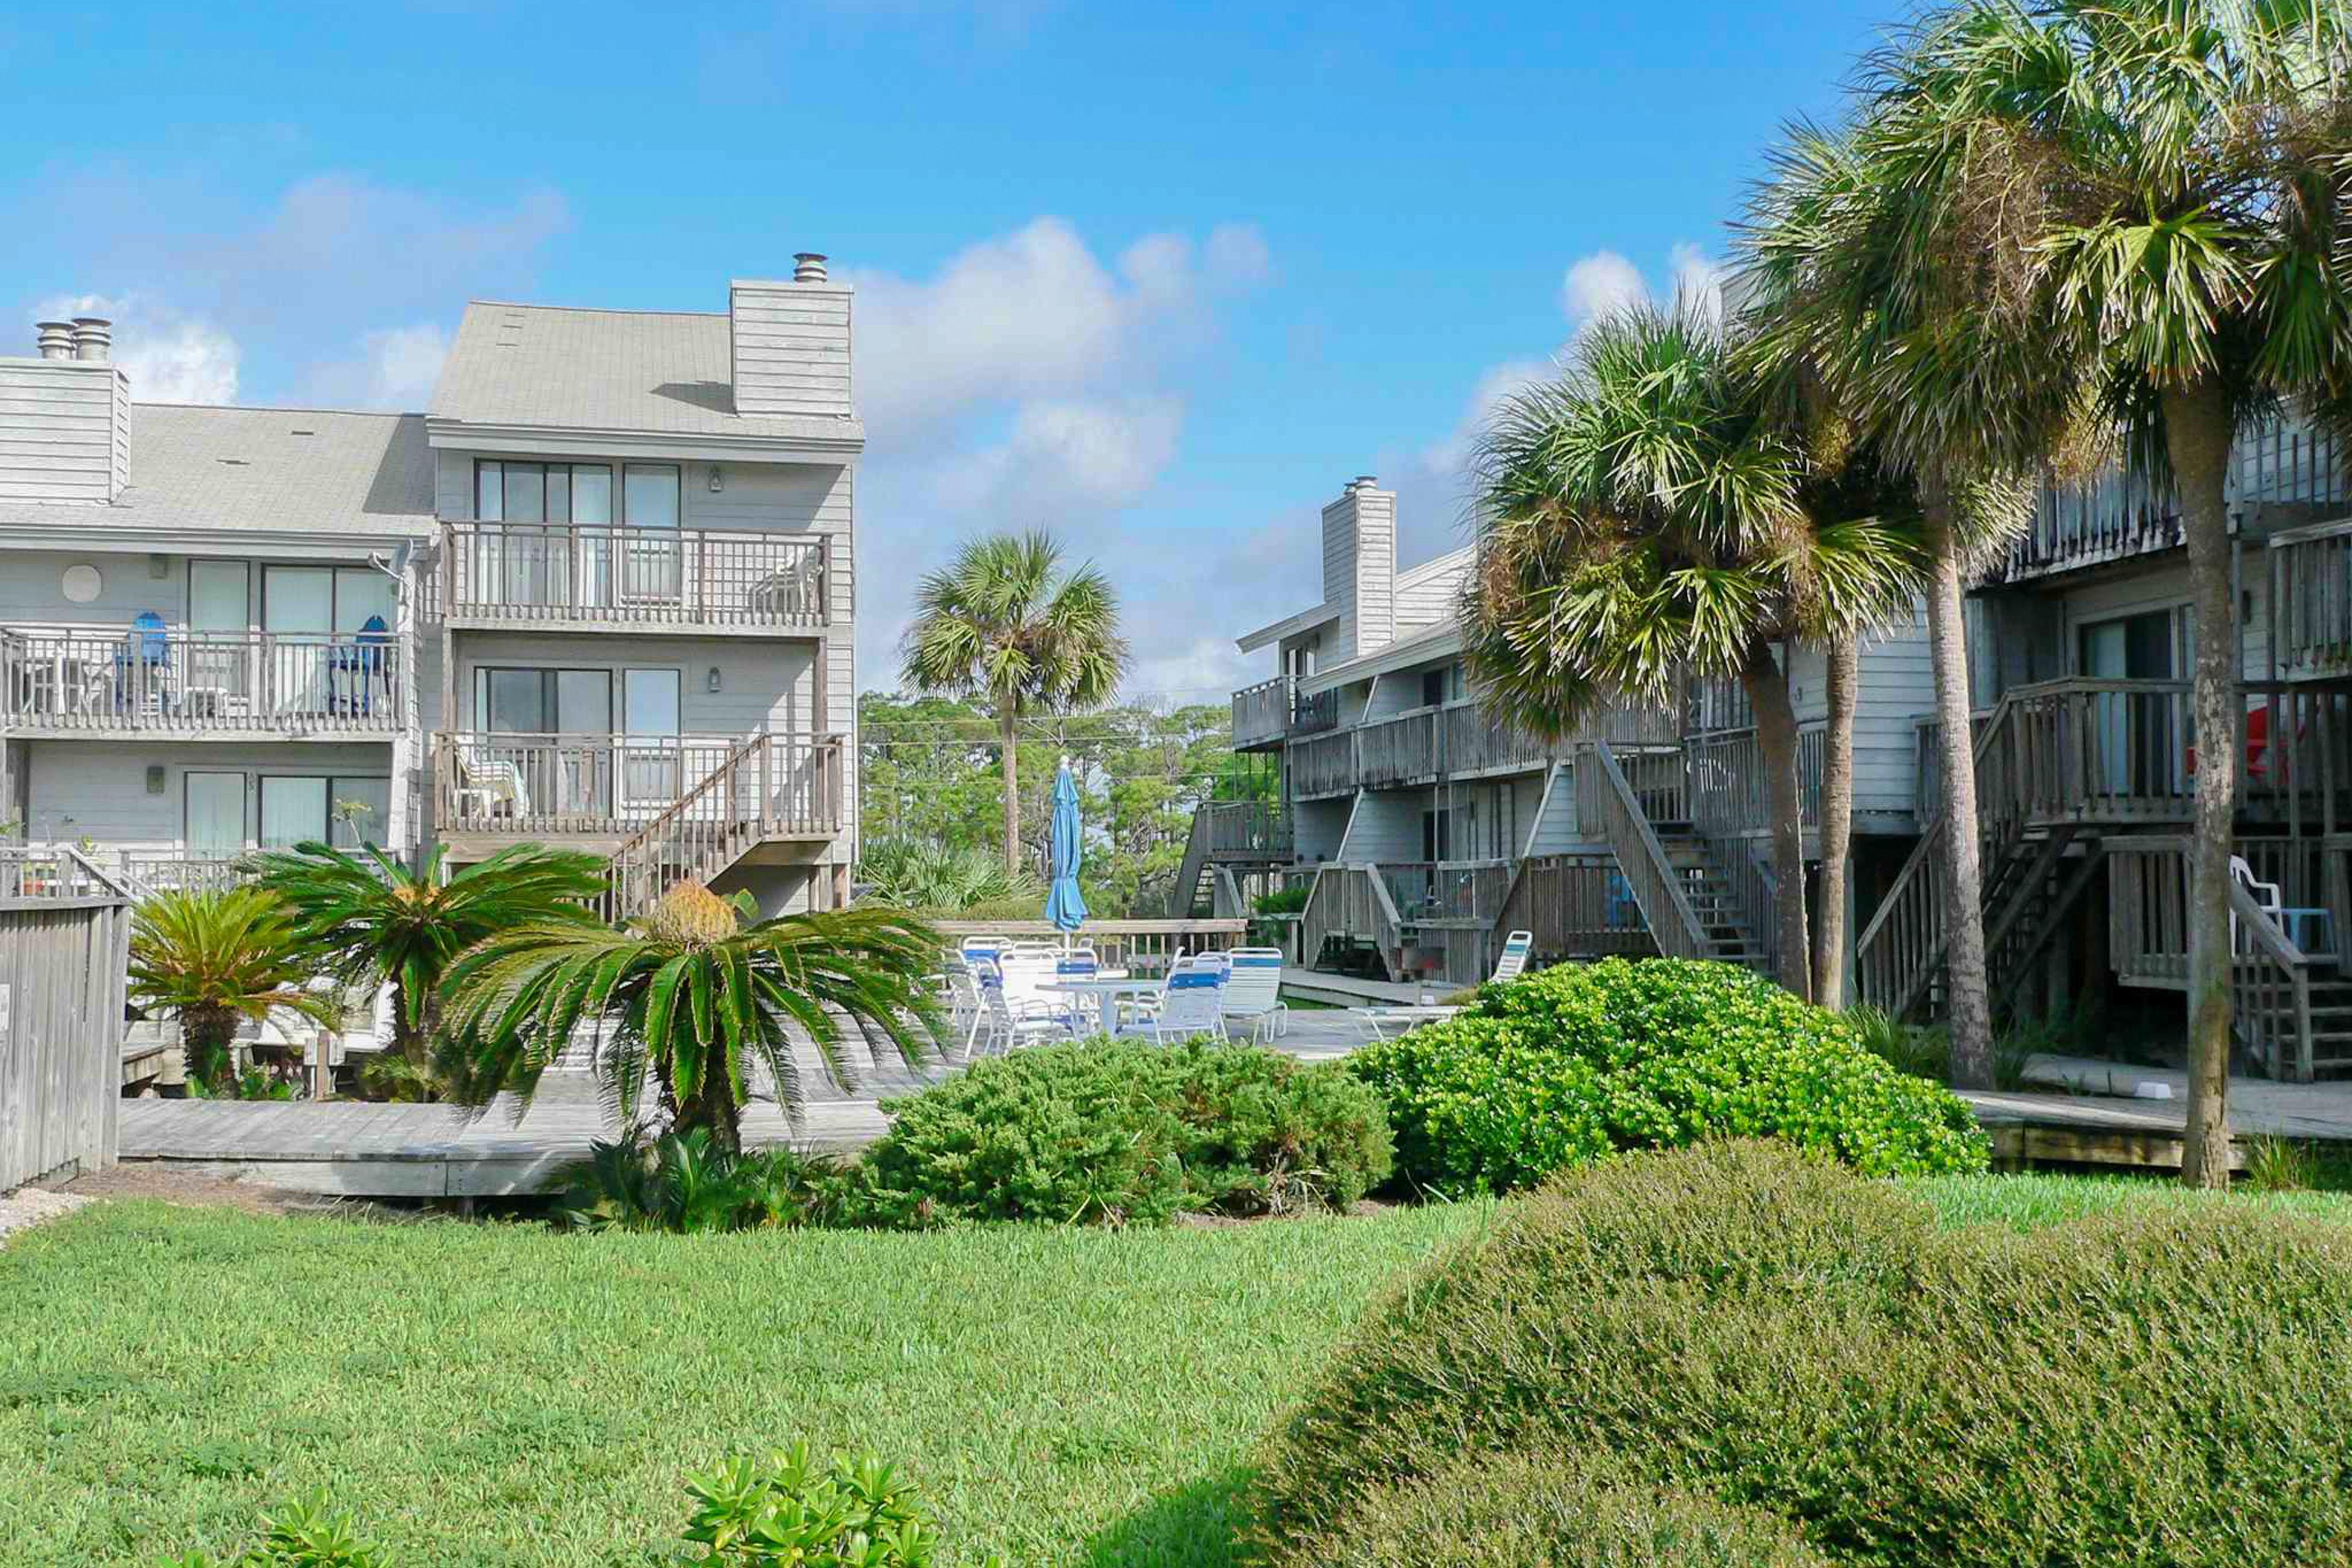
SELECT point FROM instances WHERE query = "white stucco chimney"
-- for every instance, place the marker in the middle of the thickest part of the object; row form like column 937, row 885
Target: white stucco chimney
column 94, row 338
column 55, row 339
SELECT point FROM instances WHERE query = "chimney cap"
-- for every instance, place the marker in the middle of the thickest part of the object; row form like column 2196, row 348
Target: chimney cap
column 54, row 340
column 1364, row 482
column 91, row 322
column 92, row 337
column 808, row 267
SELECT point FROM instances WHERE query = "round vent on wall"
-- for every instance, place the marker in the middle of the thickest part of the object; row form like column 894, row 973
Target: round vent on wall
column 82, row 584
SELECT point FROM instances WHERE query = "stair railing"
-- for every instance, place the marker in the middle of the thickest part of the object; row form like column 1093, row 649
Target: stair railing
column 1897, row 955
column 767, row 783
column 1606, row 799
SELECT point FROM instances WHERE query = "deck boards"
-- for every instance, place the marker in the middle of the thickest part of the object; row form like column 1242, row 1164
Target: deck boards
column 360, row 1149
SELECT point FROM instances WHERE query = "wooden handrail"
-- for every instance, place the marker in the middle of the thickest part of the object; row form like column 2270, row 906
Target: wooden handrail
column 1657, row 890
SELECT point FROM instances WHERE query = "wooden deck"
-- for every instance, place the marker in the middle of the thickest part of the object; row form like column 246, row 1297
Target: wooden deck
column 2093, row 1114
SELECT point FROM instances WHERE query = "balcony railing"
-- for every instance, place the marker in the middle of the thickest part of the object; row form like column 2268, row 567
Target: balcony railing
column 138, row 680
column 1426, row 891
column 147, row 874
column 1244, row 830
column 1312, row 713
column 610, row 575
column 1262, row 712
column 602, row 785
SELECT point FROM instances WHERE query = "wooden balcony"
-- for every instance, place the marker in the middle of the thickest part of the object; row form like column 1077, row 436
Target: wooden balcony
column 2311, row 591
column 1243, row 831
column 1262, row 714
column 194, row 684
column 1447, row 893
column 586, row 577
column 603, row 788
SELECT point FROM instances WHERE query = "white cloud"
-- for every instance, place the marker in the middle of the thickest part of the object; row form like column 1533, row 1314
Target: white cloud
column 170, row 357
column 1030, row 382
column 1598, row 284
column 1237, row 257
column 334, row 294
column 1698, row 280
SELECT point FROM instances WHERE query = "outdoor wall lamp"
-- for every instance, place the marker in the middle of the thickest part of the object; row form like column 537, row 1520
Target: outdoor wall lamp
column 711, row 681
column 718, row 482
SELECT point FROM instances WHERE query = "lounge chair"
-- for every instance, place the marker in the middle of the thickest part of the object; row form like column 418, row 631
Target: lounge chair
column 1253, row 991
column 1514, row 960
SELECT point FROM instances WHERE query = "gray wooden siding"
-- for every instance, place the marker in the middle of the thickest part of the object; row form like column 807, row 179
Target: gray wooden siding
column 1898, row 686
column 1339, row 575
column 791, row 348
column 64, row 431
column 97, row 789
column 1431, row 593
column 1317, row 827
column 1376, row 625
column 1387, row 826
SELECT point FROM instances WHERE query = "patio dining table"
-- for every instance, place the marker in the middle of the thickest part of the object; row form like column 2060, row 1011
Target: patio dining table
column 1108, row 987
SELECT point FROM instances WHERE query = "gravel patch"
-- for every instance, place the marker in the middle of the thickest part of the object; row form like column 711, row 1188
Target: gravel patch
column 29, row 1206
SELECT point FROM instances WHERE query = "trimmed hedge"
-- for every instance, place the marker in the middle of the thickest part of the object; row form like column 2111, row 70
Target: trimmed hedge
column 1569, row 1065
column 1550, row 1511
column 1745, row 1322
column 1119, row 1132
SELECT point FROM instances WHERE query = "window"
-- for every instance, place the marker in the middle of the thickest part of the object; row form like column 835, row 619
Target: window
column 511, row 701
column 1443, row 684
column 650, row 496
column 293, row 811
column 340, row 810
column 216, row 815
column 217, row 596
column 545, row 492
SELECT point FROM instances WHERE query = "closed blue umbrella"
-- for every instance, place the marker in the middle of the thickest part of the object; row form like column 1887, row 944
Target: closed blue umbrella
column 1063, row 905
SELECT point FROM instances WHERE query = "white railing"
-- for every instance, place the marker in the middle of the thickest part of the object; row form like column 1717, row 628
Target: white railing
column 138, row 680
column 57, row 872
column 769, row 786
column 613, row 576
column 553, row 786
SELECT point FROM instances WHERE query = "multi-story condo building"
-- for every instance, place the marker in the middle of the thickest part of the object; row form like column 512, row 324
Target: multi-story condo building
column 599, row 593
column 1424, row 829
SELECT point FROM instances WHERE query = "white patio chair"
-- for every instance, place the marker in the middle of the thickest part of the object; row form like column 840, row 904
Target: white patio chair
column 1514, row 960
column 1253, row 991
column 966, row 1013
column 1010, row 1022
column 1193, row 1003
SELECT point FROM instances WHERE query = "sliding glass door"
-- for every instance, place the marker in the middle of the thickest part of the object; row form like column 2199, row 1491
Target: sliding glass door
column 216, row 815
column 651, row 711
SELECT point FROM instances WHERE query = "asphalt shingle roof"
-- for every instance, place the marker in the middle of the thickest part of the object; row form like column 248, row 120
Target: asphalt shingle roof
column 669, row 373
column 263, row 469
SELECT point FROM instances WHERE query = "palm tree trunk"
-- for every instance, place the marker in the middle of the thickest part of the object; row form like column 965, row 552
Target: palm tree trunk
column 1012, row 792
column 207, row 1041
column 1969, row 1003
column 1767, row 685
column 2196, row 435
column 1844, row 660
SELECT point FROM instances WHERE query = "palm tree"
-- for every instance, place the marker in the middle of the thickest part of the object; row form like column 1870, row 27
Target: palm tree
column 2151, row 191
column 942, row 879
column 216, row 958
column 1006, row 624
column 1862, row 282
column 374, row 921
column 694, row 995
column 1645, row 517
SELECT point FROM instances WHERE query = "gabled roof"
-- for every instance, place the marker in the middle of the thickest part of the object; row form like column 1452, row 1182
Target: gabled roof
column 1289, row 627
column 259, row 470
column 658, row 372
column 1443, row 640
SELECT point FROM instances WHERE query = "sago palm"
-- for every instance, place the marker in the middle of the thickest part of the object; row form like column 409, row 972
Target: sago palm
column 216, row 958
column 1644, row 519
column 2153, row 187
column 1005, row 623
column 694, row 996
column 374, row 921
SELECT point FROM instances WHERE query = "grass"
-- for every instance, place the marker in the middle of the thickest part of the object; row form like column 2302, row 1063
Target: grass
column 502, row 1395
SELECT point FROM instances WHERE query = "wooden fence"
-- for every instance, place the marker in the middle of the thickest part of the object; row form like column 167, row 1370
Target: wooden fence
column 1576, row 906
column 65, row 928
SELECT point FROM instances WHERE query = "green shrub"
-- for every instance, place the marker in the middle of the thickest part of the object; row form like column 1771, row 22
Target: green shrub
column 1564, row 1068
column 1118, row 1131
column 306, row 1533
column 787, row 1510
column 1553, row 1511
column 685, row 1181
column 1745, row 1322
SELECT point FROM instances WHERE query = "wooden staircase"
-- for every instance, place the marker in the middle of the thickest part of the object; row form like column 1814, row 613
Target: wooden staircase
column 771, row 786
column 1730, row 937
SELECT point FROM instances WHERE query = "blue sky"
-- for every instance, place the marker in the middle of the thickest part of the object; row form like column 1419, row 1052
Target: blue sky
column 1160, row 277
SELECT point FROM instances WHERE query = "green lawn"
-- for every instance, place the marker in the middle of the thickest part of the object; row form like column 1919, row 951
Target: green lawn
column 502, row 1395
